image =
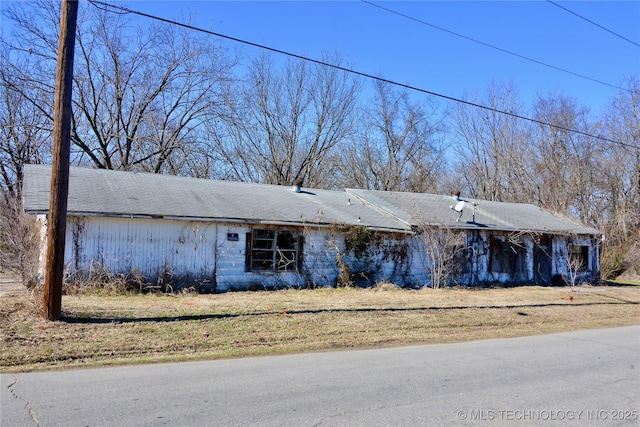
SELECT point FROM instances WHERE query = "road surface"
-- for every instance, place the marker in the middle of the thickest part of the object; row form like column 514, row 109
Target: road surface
column 574, row 378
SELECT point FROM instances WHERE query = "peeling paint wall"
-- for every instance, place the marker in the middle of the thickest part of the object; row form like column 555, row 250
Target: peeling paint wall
column 509, row 258
column 319, row 266
column 41, row 220
column 209, row 256
column 176, row 253
column 378, row 257
column 213, row 256
column 320, row 257
column 561, row 258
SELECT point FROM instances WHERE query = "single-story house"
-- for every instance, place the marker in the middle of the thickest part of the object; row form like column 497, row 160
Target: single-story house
column 221, row 235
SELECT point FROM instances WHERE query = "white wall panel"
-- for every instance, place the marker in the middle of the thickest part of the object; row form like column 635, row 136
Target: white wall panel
column 213, row 255
column 175, row 251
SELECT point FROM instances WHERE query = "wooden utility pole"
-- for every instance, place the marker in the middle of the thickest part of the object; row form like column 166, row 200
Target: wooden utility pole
column 57, row 219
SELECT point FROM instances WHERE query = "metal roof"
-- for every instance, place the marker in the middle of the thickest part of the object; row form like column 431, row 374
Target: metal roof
column 100, row 192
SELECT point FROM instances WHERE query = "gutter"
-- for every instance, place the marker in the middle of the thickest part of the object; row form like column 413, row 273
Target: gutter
column 220, row 220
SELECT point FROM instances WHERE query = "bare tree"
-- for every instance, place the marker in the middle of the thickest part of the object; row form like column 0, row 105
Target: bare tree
column 566, row 162
column 397, row 147
column 444, row 249
column 142, row 93
column 619, row 216
column 24, row 136
column 621, row 165
column 493, row 160
column 24, row 139
column 507, row 159
column 286, row 121
column 19, row 241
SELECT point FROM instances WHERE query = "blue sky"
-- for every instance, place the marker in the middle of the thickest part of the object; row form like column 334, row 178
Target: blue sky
column 375, row 41
column 378, row 42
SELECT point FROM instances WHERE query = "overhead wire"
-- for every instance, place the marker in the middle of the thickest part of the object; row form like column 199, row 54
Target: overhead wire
column 359, row 73
column 593, row 23
column 395, row 12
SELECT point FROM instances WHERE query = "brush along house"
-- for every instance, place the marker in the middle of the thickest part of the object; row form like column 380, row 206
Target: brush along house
column 218, row 236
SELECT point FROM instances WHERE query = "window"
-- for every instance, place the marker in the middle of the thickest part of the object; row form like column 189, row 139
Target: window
column 273, row 250
column 579, row 257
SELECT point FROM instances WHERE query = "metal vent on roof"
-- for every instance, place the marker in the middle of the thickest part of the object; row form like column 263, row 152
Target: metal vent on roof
column 297, row 185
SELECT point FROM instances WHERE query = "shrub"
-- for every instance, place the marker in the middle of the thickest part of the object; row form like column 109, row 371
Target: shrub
column 612, row 262
column 19, row 241
column 622, row 259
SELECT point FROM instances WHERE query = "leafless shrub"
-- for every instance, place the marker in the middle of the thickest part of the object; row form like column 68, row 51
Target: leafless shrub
column 612, row 262
column 630, row 253
column 165, row 281
column 19, row 241
column 17, row 309
column 345, row 278
column 386, row 286
column 573, row 268
column 632, row 256
column 443, row 247
column 100, row 280
column 621, row 259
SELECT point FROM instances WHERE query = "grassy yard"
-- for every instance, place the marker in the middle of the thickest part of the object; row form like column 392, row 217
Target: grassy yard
column 118, row 329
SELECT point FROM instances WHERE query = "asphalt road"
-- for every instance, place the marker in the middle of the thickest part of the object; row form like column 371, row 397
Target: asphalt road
column 574, row 378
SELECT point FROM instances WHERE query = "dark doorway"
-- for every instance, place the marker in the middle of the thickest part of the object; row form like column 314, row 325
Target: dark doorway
column 509, row 257
column 542, row 261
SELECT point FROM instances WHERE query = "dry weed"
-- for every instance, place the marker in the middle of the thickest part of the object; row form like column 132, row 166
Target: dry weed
column 124, row 328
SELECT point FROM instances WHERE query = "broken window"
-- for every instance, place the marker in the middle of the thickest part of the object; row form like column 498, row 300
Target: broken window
column 579, row 256
column 273, row 250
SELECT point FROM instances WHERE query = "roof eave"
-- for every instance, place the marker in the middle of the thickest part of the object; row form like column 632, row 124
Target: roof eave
column 221, row 220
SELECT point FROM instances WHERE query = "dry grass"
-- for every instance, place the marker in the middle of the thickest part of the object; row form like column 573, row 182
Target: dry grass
column 118, row 329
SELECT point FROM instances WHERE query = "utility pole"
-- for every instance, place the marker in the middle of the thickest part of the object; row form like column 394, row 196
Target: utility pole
column 57, row 219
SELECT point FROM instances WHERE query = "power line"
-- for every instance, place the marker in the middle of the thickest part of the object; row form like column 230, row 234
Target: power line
column 360, row 73
column 582, row 76
column 593, row 23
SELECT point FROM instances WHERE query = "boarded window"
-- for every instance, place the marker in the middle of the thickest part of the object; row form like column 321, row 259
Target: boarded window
column 509, row 258
column 273, row 250
column 579, row 256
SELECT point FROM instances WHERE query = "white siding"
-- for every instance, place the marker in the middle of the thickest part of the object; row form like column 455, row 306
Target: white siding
column 41, row 220
column 182, row 253
column 418, row 267
column 561, row 254
column 230, row 254
column 178, row 252
column 320, row 257
column 212, row 256
column 319, row 264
